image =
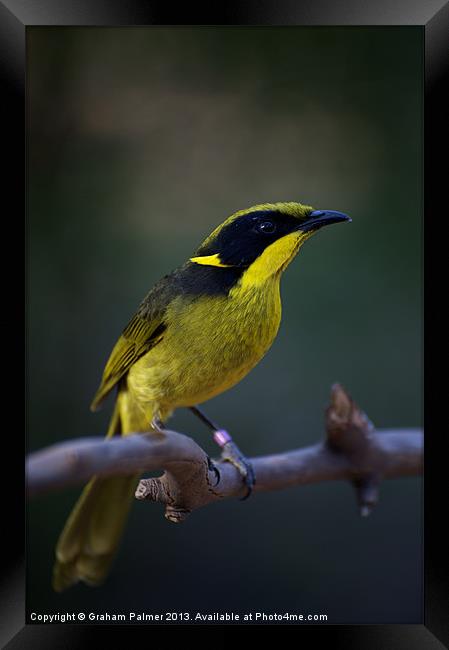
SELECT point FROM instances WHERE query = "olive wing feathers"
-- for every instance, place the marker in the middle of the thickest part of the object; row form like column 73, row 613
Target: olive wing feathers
column 147, row 327
column 143, row 332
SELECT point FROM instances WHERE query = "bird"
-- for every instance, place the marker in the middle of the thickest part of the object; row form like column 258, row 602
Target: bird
column 196, row 334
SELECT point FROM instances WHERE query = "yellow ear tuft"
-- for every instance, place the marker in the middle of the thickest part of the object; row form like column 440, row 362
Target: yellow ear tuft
column 210, row 260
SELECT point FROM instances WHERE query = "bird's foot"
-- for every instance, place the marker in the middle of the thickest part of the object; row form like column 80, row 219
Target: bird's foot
column 232, row 454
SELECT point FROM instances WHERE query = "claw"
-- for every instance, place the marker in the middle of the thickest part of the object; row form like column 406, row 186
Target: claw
column 213, row 468
column 250, row 481
column 157, row 425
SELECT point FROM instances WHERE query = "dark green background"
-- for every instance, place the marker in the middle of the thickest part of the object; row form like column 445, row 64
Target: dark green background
column 141, row 140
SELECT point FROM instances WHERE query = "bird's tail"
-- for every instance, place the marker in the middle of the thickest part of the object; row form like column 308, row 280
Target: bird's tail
column 91, row 535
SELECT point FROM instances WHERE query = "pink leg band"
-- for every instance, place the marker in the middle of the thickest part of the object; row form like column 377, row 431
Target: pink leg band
column 221, row 437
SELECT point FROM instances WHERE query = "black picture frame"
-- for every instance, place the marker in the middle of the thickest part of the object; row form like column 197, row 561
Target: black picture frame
column 15, row 17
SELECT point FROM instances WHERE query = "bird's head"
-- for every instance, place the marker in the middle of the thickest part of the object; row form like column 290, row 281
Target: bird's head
column 262, row 240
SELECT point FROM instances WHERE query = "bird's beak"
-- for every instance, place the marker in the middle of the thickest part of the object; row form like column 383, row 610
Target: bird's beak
column 319, row 218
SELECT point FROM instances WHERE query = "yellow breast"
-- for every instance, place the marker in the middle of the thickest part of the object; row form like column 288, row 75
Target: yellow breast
column 209, row 345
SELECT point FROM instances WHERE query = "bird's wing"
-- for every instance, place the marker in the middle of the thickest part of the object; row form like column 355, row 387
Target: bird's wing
column 142, row 333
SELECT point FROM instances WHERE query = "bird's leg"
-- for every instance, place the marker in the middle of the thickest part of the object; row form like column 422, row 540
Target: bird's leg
column 211, row 465
column 230, row 451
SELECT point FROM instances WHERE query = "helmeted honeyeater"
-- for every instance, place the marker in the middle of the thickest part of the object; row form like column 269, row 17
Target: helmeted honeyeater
column 198, row 332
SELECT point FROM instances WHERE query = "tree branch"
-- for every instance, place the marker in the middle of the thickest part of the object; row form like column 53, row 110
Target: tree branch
column 352, row 450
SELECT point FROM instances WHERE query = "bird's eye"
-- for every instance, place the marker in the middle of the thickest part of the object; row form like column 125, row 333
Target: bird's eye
column 267, row 227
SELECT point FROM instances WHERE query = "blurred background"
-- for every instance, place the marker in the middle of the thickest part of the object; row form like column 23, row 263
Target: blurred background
column 142, row 140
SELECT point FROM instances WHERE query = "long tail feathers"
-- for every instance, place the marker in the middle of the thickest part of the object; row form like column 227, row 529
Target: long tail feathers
column 91, row 535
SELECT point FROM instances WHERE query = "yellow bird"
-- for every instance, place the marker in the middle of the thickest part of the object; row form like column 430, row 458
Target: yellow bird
column 198, row 332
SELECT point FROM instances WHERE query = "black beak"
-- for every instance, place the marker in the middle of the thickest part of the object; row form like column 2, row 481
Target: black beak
column 320, row 218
